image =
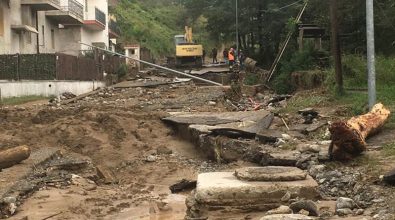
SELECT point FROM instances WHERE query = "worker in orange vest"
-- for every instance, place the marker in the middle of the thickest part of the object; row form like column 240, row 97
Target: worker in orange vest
column 231, row 56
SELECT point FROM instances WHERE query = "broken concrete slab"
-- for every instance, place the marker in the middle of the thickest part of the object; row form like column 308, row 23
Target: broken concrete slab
column 224, row 189
column 231, row 124
column 270, row 173
column 209, row 70
column 284, row 158
column 268, row 136
column 287, row 217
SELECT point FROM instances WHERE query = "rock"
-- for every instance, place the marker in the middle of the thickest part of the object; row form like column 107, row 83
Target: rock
column 307, row 205
column 345, row 203
column 360, row 212
column 325, row 142
column 286, row 137
column 106, row 174
column 344, row 212
column 390, row 177
column 151, row 158
column 287, row 217
column 164, row 150
column 211, row 103
column 9, row 200
column 280, row 210
column 303, row 212
column 270, row 173
column 313, row 148
column 280, row 142
column 279, row 159
column 286, row 197
column 316, row 169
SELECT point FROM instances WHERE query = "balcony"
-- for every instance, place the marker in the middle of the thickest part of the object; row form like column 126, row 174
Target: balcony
column 113, row 29
column 70, row 14
column 42, row 5
column 96, row 22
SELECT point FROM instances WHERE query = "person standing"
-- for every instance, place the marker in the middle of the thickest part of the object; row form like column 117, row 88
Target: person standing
column 241, row 59
column 214, row 53
column 231, row 56
column 226, row 54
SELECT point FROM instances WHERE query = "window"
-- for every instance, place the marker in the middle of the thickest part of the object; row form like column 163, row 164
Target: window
column 43, row 35
column 53, row 38
column 132, row 52
column 86, row 5
column 1, row 22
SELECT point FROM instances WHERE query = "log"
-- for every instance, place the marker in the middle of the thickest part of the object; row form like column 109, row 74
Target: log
column 13, row 156
column 349, row 137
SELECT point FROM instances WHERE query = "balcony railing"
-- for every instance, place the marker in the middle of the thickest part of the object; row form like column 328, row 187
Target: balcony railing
column 74, row 8
column 113, row 26
column 100, row 16
column 55, row 2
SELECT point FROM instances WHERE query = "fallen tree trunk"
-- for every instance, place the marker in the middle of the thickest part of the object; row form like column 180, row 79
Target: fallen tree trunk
column 10, row 157
column 348, row 137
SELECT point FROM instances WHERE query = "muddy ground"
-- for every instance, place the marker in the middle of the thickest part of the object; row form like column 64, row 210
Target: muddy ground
column 120, row 130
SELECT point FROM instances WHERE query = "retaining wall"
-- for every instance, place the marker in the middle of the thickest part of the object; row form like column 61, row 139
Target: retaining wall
column 46, row 87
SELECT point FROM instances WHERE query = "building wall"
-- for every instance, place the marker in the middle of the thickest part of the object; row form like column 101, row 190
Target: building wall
column 17, row 42
column 92, row 36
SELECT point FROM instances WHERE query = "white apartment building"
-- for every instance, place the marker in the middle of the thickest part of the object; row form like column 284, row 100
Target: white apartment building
column 49, row 26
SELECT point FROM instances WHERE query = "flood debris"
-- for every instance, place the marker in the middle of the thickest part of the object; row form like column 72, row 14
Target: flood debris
column 183, row 185
column 308, row 114
column 389, row 178
column 13, row 156
column 348, row 137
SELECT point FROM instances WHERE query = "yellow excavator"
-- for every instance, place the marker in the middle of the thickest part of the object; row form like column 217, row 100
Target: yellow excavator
column 187, row 52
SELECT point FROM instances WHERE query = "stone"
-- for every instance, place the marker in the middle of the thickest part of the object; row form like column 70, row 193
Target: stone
column 270, row 173
column 286, row 137
column 307, row 205
column 287, row 217
column 314, row 148
column 344, row 212
column 151, row 158
column 316, row 169
column 163, row 150
column 280, row 210
column 106, row 174
column 360, row 212
column 345, row 203
column 288, row 158
column 223, row 188
column 9, row 199
column 211, row 103
column 286, row 197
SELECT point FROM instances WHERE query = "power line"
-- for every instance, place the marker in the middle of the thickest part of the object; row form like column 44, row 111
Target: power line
column 284, row 7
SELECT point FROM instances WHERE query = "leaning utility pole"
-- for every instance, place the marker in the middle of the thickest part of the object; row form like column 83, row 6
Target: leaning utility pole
column 336, row 46
column 237, row 30
column 370, row 53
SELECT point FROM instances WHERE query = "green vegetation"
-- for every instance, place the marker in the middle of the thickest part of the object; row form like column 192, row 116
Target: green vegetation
column 389, row 149
column 22, row 100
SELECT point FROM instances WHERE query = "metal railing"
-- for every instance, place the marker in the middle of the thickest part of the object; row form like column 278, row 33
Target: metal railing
column 100, row 16
column 74, row 8
column 113, row 26
column 56, row 2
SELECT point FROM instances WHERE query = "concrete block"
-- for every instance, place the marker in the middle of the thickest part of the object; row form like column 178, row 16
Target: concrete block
column 270, row 173
column 224, row 189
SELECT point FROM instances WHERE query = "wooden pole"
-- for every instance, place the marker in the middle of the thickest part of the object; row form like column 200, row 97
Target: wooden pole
column 336, row 46
column 348, row 137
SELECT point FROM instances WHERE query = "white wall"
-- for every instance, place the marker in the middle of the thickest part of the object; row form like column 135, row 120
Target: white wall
column 90, row 36
column 46, row 88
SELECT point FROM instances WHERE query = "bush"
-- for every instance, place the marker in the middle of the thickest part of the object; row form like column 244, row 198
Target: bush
column 299, row 61
column 122, row 70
